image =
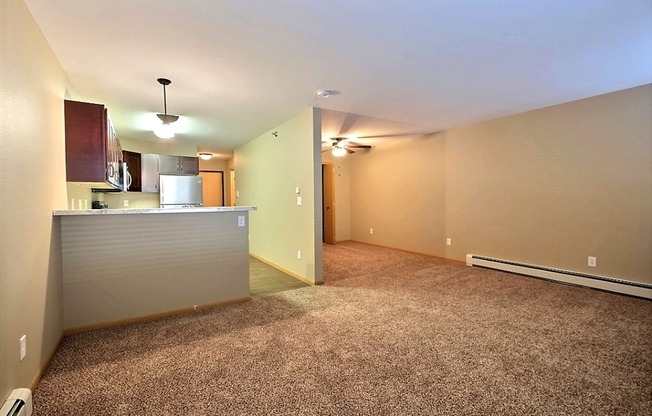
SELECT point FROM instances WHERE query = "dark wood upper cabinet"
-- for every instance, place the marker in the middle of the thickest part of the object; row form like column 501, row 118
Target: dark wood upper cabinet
column 134, row 169
column 85, row 142
column 93, row 153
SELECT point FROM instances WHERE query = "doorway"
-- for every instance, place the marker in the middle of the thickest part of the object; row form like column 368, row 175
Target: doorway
column 328, row 203
column 232, row 192
column 212, row 188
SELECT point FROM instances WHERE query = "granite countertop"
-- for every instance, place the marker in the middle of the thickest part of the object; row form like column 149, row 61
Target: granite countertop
column 80, row 212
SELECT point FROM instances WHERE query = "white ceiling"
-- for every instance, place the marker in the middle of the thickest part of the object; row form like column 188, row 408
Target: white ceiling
column 239, row 68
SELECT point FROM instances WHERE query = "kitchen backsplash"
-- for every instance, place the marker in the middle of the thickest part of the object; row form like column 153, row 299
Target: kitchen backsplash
column 81, row 197
column 134, row 200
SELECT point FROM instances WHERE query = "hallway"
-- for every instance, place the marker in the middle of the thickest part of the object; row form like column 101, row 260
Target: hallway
column 265, row 280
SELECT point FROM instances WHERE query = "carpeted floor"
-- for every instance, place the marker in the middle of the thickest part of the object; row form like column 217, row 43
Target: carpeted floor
column 390, row 333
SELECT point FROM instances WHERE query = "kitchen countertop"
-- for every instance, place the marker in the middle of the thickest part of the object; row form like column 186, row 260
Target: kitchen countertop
column 136, row 211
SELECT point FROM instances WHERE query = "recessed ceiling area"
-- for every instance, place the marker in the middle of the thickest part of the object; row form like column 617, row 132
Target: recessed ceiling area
column 240, row 68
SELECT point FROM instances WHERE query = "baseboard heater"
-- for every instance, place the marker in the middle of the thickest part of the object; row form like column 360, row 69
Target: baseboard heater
column 582, row 279
column 19, row 403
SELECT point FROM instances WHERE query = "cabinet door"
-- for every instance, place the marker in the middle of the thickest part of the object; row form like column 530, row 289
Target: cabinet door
column 133, row 166
column 168, row 165
column 188, row 165
column 149, row 172
column 86, row 142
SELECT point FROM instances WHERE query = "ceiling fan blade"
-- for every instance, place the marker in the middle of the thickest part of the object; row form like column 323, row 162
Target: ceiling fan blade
column 349, row 151
column 390, row 136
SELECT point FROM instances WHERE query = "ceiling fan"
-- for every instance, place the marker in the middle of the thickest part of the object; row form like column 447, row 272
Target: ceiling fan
column 340, row 146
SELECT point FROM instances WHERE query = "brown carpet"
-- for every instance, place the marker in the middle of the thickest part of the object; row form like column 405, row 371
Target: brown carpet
column 390, row 333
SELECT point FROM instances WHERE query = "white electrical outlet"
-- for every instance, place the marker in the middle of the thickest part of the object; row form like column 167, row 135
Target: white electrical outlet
column 449, row 241
column 593, row 261
column 299, row 254
column 371, row 231
column 241, row 221
column 22, row 347
column 126, row 203
column 299, row 200
column 237, row 194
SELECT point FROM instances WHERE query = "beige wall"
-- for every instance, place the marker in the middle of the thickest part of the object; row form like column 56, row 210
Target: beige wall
column 547, row 187
column 398, row 190
column 213, row 164
column 268, row 169
column 32, row 184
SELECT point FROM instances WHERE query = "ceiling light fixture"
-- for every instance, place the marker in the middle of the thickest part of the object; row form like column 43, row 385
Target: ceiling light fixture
column 205, row 156
column 338, row 151
column 165, row 130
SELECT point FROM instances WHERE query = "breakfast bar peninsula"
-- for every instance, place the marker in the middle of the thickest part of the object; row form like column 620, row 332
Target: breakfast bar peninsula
column 123, row 265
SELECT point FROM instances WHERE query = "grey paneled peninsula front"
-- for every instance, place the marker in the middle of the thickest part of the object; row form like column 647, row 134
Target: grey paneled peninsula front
column 121, row 265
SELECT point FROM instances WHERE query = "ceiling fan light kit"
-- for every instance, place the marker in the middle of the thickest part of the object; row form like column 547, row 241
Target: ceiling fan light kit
column 342, row 145
column 338, row 151
column 165, row 130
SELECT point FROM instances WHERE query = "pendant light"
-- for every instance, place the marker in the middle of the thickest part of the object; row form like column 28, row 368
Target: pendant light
column 165, row 130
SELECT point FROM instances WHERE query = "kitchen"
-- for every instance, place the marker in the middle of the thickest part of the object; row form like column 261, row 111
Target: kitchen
column 96, row 160
column 166, row 254
column 127, row 273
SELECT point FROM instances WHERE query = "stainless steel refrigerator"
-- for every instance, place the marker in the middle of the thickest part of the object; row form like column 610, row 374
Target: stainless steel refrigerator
column 180, row 191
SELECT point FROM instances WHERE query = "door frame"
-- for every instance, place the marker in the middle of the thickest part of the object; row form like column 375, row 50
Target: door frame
column 328, row 177
column 232, row 192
